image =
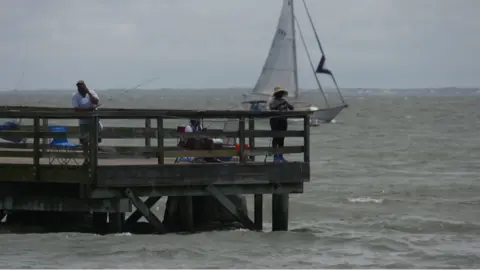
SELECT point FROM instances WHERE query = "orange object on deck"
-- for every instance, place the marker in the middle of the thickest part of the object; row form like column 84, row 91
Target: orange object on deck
column 237, row 146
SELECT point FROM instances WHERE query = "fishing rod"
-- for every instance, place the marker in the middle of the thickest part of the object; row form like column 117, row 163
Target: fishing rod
column 137, row 86
column 121, row 93
column 19, row 81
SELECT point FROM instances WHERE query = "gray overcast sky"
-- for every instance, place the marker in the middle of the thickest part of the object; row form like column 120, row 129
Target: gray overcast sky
column 223, row 43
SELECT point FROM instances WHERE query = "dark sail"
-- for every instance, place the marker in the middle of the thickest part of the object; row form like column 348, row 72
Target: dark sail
column 321, row 68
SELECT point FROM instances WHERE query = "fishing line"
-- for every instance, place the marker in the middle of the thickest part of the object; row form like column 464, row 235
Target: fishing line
column 137, row 86
column 121, row 93
column 19, row 81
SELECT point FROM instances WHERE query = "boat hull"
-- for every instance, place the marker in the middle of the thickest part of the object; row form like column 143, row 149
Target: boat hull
column 326, row 115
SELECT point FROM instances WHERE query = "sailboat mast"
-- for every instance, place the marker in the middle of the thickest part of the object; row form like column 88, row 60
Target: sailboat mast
column 294, row 47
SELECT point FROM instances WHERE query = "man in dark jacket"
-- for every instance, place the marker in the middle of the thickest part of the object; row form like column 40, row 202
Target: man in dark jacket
column 279, row 103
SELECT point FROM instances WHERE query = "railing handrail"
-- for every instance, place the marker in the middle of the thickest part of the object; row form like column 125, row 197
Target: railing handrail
column 26, row 131
column 119, row 113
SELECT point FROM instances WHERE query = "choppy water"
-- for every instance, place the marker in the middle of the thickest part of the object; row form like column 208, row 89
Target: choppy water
column 395, row 184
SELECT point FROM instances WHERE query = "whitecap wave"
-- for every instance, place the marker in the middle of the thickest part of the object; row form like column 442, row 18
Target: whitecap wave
column 123, row 234
column 365, row 200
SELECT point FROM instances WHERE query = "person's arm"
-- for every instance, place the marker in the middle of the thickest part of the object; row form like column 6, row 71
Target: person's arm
column 272, row 105
column 275, row 106
column 94, row 99
column 290, row 106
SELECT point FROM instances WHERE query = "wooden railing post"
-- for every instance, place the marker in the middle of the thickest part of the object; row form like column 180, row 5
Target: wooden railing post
column 44, row 138
column 251, row 138
column 36, row 147
column 148, row 125
column 306, row 138
column 241, row 138
column 93, row 154
column 160, row 151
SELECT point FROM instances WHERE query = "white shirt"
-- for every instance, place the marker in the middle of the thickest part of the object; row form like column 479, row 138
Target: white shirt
column 84, row 103
column 189, row 128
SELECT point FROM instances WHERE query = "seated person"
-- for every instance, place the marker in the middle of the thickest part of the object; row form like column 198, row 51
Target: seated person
column 194, row 125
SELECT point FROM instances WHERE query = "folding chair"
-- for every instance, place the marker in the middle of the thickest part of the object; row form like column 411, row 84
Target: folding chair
column 61, row 145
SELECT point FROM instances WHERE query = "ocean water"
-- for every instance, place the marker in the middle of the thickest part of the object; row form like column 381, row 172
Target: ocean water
column 395, row 184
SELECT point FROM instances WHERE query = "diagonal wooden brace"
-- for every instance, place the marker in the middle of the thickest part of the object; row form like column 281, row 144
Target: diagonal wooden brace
column 135, row 216
column 225, row 201
column 149, row 216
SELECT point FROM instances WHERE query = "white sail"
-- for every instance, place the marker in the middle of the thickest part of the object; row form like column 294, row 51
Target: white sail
column 280, row 67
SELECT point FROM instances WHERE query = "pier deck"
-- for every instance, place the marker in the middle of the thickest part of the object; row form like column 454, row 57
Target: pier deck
column 41, row 176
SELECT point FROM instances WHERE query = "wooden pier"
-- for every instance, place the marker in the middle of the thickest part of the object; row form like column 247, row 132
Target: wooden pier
column 38, row 177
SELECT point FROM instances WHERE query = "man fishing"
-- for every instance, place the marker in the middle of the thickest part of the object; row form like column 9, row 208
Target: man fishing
column 85, row 100
column 279, row 103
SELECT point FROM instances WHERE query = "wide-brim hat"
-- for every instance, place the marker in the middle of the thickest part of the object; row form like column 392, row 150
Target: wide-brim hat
column 279, row 89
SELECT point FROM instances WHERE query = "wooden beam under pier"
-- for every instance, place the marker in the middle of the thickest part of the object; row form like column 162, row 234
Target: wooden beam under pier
column 147, row 214
column 241, row 216
column 258, row 211
column 135, row 216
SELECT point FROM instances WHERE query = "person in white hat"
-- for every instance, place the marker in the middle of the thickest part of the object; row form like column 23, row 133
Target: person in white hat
column 85, row 99
column 279, row 103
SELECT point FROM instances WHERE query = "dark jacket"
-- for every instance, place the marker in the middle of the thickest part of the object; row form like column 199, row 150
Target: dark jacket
column 280, row 104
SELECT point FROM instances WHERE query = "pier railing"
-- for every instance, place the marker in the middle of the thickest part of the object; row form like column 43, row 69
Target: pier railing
column 35, row 155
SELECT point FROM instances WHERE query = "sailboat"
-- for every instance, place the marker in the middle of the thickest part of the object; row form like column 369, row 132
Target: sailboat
column 280, row 69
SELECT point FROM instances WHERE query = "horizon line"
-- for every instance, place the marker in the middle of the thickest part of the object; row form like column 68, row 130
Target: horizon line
column 248, row 88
